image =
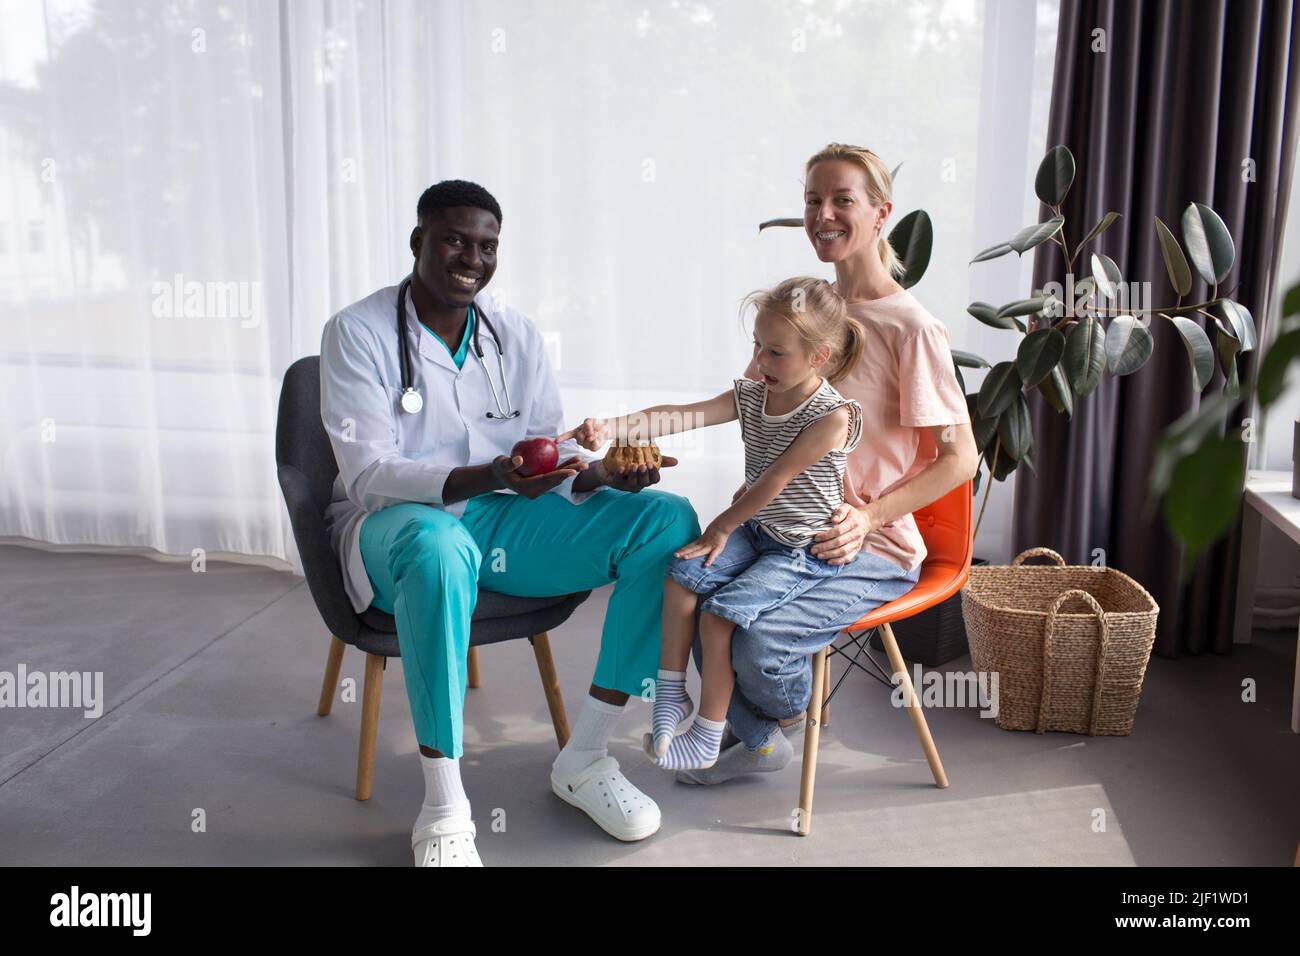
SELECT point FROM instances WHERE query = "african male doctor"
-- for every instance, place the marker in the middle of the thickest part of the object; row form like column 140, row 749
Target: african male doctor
column 428, row 495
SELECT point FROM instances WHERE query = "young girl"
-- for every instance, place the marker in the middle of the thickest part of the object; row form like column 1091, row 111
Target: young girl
column 753, row 557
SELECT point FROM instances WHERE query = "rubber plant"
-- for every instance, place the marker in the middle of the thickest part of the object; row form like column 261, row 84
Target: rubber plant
column 1072, row 335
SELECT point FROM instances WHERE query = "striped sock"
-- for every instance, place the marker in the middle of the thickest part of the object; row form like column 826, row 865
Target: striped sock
column 697, row 748
column 672, row 706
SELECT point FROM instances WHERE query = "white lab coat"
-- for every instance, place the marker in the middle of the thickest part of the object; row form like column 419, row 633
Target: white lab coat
column 385, row 455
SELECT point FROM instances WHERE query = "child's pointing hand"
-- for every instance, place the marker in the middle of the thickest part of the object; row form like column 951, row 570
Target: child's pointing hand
column 591, row 434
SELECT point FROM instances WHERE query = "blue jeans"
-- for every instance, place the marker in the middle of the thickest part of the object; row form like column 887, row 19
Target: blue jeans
column 772, row 654
column 754, row 574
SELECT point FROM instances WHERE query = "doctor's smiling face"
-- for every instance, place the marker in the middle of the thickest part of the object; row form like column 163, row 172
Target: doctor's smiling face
column 455, row 251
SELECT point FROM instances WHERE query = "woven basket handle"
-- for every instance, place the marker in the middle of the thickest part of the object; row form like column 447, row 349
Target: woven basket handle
column 1049, row 633
column 1038, row 553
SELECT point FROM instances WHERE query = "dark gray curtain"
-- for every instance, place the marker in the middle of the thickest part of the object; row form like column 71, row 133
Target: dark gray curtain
column 1186, row 91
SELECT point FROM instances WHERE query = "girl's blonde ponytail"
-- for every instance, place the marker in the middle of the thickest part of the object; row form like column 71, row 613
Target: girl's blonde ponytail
column 850, row 350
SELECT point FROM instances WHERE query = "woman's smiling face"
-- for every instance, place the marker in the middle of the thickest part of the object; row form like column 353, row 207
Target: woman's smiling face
column 838, row 216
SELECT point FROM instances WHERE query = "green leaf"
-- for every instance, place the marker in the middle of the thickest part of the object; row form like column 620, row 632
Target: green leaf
column 780, row 222
column 1106, row 274
column 1014, row 430
column 968, row 359
column 1204, row 496
column 1291, row 301
column 1128, row 345
column 1277, row 360
column 1056, row 390
column 1180, row 276
column 1085, row 356
column 984, row 429
column 1199, row 350
column 1006, row 464
column 1208, row 243
column 1243, row 324
column 1184, row 435
column 1038, row 354
column 1055, row 175
column 913, row 240
column 1023, row 307
column 1227, row 346
column 988, row 314
column 999, row 390
column 1107, row 221
column 992, row 252
column 1035, row 235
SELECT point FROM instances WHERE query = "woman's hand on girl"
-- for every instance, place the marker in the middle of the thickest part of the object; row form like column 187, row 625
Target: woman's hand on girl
column 840, row 543
column 711, row 542
column 591, row 434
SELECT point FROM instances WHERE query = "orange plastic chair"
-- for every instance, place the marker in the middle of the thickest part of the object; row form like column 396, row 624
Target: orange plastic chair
column 945, row 525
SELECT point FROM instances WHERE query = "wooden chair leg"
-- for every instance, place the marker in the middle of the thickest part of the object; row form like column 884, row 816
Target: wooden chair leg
column 471, row 668
column 826, row 707
column 330, row 685
column 913, row 705
column 551, row 686
column 370, row 699
column 811, row 734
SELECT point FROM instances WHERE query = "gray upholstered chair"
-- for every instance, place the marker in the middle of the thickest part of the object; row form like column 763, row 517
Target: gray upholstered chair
column 306, row 467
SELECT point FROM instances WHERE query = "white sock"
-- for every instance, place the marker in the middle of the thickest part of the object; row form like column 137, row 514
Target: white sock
column 444, row 796
column 590, row 737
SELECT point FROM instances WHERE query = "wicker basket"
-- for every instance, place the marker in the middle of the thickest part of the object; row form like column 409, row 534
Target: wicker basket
column 1075, row 672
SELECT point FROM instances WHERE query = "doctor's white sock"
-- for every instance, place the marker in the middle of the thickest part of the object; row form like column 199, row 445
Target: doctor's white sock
column 444, row 797
column 590, row 737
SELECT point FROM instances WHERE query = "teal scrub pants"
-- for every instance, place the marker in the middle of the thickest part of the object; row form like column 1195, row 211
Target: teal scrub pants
column 426, row 567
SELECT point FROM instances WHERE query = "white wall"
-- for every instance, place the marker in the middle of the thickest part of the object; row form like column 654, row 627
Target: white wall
column 1279, row 559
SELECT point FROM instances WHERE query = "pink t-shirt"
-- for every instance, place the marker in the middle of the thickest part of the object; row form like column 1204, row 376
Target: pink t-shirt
column 905, row 383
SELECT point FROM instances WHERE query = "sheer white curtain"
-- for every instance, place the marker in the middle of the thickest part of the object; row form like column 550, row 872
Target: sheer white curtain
column 142, row 265
column 636, row 148
column 190, row 189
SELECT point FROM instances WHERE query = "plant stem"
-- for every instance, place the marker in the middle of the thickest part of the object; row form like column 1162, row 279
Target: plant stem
column 1166, row 312
column 1059, row 238
column 988, row 487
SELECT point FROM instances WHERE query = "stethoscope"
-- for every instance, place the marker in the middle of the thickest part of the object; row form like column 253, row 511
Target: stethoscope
column 411, row 400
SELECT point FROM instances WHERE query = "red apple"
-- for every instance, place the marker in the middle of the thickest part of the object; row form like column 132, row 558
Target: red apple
column 540, row 456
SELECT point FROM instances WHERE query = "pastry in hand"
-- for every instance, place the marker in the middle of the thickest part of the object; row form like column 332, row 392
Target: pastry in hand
column 621, row 459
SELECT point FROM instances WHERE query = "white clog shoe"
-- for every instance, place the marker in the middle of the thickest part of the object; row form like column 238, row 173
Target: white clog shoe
column 602, row 792
column 448, row 842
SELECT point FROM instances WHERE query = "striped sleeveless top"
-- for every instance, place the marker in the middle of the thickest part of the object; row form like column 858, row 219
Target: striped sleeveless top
column 805, row 505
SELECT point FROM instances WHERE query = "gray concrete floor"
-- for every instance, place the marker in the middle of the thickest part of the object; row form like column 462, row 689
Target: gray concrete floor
column 211, row 683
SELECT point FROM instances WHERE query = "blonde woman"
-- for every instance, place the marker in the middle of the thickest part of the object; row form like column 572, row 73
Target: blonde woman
column 916, row 445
